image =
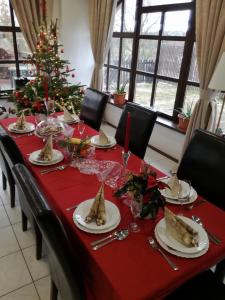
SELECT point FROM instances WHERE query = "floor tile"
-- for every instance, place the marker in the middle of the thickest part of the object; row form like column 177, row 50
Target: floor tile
column 14, row 213
column 25, row 293
column 38, row 268
column 8, row 241
column 13, row 273
column 43, row 287
column 25, row 238
column 4, row 220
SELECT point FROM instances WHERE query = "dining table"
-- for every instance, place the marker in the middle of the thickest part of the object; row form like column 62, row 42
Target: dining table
column 126, row 269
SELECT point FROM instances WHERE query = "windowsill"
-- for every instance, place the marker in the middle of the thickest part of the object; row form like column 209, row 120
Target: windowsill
column 160, row 120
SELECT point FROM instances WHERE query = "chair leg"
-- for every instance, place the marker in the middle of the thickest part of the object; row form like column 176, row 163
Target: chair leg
column 54, row 291
column 38, row 237
column 24, row 221
column 220, row 270
column 4, row 181
column 12, row 195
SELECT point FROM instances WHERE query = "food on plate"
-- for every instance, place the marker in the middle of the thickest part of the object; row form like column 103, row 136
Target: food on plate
column 47, row 152
column 67, row 115
column 21, row 122
column 179, row 230
column 174, row 185
column 103, row 139
column 97, row 211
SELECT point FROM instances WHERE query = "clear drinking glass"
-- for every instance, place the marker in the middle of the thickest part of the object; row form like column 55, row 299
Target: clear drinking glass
column 81, row 127
column 135, row 207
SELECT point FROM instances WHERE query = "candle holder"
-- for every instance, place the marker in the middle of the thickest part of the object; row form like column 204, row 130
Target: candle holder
column 125, row 156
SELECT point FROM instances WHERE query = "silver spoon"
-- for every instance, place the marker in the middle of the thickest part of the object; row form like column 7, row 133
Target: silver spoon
column 115, row 233
column 155, row 246
column 121, row 235
column 211, row 236
column 60, row 168
column 71, row 207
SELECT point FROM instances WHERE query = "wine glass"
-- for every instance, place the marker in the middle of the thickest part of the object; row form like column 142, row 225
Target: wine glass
column 135, row 207
column 81, row 127
column 184, row 193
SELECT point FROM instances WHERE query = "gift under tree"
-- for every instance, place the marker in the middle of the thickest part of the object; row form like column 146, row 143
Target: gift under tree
column 50, row 87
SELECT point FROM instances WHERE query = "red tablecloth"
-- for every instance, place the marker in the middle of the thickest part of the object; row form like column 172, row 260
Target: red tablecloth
column 127, row 269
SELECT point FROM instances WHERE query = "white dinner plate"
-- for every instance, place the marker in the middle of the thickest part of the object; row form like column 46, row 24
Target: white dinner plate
column 167, row 193
column 100, row 231
column 112, row 215
column 75, row 119
column 28, row 128
column 178, row 253
column 192, row 198
column 95, row 142
column 56, row 158
column 167, row 239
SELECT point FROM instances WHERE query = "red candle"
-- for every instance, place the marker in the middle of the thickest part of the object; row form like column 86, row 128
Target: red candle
column 127, row 134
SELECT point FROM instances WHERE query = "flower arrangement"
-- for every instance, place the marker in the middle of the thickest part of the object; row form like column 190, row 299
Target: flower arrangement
column 146, row 188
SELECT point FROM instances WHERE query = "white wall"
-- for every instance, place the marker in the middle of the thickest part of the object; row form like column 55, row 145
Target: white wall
column 75, row 36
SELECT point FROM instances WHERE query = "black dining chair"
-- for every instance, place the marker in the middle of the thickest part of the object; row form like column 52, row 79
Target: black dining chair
column 64, row 268
column 204, row 286
column 93, row 107
column 203, row 163
column 9, row 155
column 32, row 202
column 142, row 122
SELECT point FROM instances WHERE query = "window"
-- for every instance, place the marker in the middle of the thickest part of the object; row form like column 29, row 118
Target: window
column 153, row 52
column 13, row 47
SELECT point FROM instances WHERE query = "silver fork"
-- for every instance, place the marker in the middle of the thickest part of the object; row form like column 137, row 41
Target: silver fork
column 155, row 246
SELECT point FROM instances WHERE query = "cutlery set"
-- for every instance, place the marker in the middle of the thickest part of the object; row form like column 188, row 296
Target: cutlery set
column 117, row 235
column 60, row 168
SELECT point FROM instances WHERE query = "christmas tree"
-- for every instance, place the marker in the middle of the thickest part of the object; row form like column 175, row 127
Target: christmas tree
column 50, row 88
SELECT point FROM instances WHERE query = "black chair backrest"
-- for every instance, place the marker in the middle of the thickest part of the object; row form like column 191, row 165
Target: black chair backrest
column 63, row 266
column 93, row 107
column 30, row 195
column 142, row 123
column 203, row 163
column 3, row 163
column 10, row 151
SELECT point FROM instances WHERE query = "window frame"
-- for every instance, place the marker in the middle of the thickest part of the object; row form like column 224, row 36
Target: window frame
column 189, row 39
column 12, row 29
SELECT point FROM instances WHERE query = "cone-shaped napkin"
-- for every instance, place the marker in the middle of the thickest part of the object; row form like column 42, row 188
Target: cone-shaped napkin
column 67, row 115
column 175, row 187
column 97, row 211
column 103, row 139
column 180, row 230
column 21, row 122
column 46, row 153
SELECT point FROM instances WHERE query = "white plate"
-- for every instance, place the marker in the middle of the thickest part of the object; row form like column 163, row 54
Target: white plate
column 112, row 215
column 75, row 117
column 192, row 198
column 57, row 157
column 95, row 142
column 174, row 244
column 95, row 231
column 184, row 193
column 178, row 253
column 28, row 128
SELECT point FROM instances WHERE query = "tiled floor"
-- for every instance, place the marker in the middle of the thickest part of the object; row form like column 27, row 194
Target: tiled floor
column 22, row 277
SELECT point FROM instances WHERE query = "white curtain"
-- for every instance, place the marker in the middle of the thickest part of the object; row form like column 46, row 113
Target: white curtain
column 210, row 43
column 101, row 15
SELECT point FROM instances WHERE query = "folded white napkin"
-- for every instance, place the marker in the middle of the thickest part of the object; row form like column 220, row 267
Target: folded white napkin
column 103, row 139
column 67, row 115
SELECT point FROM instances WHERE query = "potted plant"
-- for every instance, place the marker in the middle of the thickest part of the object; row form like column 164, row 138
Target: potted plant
column 184, row 117
column 120, row 94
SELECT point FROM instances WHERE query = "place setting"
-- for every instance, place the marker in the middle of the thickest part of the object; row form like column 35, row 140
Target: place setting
column 97, row 215
column 21, row 126
column 67, row 117
column 103, row 141
column 47, row 155
column 181, row 236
